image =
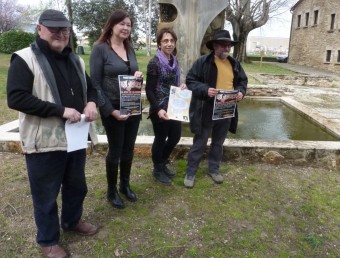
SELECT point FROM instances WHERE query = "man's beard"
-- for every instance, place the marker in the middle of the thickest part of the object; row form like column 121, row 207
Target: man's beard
column 223, row 55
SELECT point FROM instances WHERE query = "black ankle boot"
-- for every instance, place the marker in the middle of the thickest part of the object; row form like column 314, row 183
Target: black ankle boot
column 129, row 194
column 114, row 198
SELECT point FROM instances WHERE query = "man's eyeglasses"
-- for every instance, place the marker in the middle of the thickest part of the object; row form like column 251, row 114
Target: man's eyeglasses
column 167, row 41
column 57, row 30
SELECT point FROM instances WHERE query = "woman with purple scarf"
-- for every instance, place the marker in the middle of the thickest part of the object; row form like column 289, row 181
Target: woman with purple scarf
column 162, row 73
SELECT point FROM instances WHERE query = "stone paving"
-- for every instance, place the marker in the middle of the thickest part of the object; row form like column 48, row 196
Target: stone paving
column 325, row 100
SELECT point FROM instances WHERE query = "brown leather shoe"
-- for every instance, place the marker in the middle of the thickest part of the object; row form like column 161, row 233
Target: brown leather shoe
column 53, row 251
column 83, row 228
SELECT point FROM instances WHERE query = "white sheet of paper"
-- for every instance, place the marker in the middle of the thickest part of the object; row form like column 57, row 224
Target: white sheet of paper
column 76, row 134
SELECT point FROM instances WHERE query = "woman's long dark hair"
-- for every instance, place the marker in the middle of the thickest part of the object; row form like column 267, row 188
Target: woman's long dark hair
column 115, row 18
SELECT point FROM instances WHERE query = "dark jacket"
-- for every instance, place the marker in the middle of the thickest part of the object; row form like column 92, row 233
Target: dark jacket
column 201, row 77
column 158, row 85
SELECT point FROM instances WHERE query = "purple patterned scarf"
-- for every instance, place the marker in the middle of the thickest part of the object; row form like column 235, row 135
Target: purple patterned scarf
column 165, row 65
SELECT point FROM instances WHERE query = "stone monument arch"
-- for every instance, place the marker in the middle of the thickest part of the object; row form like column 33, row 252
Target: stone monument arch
column 194, row 22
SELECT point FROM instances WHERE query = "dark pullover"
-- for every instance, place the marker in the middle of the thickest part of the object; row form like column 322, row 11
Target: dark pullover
column 19, row 86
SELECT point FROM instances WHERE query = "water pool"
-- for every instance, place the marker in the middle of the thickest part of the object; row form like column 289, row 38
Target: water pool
column 258, row 119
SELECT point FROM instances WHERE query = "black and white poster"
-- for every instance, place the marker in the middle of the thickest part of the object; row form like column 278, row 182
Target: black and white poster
column 224, row 104
column 130, row 95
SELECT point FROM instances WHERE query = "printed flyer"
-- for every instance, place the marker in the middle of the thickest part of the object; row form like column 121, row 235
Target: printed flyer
column 130, row 95
column 224, row 104
column 179, row 102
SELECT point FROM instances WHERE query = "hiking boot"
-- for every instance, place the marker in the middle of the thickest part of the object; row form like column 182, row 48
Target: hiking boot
column 189, row 181
column 216, row 177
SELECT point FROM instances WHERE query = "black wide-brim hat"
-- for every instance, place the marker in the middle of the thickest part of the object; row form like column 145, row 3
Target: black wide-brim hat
column 221, row 35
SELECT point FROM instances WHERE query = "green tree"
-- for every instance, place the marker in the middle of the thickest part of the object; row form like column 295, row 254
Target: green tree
column 90, row 16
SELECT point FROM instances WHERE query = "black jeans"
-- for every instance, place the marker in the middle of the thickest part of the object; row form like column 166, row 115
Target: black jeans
column 47, row 172
column 167, row 135
column 218, row 130
column 121, row 137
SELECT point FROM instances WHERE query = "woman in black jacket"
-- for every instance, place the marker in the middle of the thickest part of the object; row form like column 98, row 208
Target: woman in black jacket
column 162, row 73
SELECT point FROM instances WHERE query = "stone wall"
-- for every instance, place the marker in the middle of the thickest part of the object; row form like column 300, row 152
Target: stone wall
column 309, row 43
column 296, row 80
column 267, row 91
column 296, row 153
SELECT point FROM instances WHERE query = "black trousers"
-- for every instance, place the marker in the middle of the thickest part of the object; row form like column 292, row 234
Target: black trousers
column 121, row 137
column 48, row 172
column 167, row 135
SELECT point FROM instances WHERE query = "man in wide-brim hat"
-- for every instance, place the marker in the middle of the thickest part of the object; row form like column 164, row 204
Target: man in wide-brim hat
column 220, row 37
column 209, row 74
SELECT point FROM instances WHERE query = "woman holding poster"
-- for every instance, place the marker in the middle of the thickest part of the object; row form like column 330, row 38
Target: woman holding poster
column 111, row 56
column 162, row 73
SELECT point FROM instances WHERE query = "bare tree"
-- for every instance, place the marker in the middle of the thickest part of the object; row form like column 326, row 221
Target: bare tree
column 9, row 14
column 247, row 15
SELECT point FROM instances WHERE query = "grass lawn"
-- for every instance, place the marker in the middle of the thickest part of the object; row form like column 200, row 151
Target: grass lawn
column 259, row 211
column 6, row 114
column 268, row 68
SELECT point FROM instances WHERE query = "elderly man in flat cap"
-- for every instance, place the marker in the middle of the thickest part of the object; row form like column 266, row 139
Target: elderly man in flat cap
column 48, row 85
column 210, row 73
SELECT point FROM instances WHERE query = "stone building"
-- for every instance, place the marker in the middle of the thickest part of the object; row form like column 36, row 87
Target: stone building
column 315, row 34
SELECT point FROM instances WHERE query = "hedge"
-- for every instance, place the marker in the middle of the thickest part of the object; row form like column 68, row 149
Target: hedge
column 13, row 40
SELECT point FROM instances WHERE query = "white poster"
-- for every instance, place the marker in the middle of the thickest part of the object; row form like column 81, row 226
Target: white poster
column 179, row 103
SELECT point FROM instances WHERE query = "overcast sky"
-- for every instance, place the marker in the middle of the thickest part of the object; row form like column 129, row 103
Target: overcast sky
column 277, row 27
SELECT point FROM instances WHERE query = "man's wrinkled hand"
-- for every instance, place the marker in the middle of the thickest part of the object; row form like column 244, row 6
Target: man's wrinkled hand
column 72, row 115
column 90, row 112
column 212, row 92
